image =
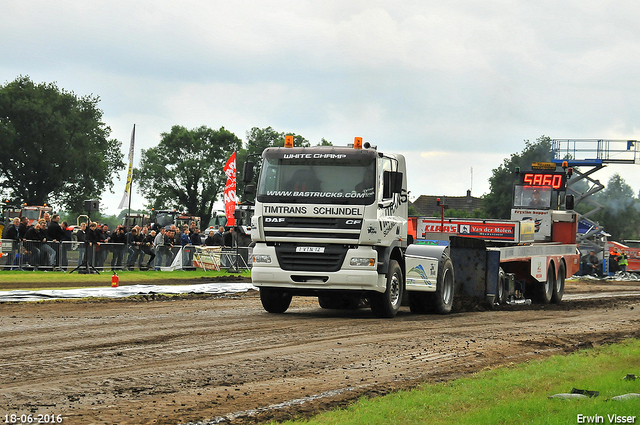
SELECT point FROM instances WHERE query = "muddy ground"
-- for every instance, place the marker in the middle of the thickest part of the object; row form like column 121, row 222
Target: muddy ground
column 162, row 360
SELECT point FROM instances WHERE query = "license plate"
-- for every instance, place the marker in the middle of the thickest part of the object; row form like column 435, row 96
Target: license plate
column 314, row 249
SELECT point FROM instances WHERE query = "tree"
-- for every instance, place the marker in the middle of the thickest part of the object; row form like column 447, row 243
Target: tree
column 185, row 170
column 497, row 203
column 55, row 147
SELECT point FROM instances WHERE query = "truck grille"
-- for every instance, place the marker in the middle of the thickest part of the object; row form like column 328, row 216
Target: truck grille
column 329, row 261
column 312, row 228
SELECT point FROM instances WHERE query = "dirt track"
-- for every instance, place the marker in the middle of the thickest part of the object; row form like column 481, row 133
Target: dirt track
column 198, row 358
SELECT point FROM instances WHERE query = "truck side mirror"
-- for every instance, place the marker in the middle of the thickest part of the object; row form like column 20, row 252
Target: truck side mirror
column 392, row 183
column 569, row 202
column 247, row 171
column 249, row 189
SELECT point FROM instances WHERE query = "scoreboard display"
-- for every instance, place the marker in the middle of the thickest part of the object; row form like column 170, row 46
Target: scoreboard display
column 556, row 180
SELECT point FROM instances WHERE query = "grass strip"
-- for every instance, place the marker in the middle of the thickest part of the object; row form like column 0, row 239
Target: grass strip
column 515, row 394
column 12, row 280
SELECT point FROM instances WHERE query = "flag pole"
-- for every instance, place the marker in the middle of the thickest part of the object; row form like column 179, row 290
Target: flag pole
column 133, row 136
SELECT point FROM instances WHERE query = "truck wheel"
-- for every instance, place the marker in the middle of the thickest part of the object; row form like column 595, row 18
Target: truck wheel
column 275, row 300
column 546, row 289
column 388, row 303
column 442, row 299
column 558, row 288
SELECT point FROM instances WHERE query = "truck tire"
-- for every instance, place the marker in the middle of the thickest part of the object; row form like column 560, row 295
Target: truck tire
column 275, row 300
column 442, row 298
column 545, row 290
column 558, row 287
column 388, row 303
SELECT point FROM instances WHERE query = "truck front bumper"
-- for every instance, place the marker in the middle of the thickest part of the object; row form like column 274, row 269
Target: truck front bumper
column 349, row 277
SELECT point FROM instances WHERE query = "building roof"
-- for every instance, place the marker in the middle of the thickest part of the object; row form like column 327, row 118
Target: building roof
column 427, row 205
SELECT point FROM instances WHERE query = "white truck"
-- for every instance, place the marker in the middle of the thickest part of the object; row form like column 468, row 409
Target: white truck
column 331, row 222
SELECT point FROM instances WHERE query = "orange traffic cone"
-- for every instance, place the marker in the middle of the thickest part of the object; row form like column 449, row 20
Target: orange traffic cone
column 115, row 280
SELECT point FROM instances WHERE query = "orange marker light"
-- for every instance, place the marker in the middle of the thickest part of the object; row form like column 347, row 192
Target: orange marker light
column 288, row 141
column 357, row 143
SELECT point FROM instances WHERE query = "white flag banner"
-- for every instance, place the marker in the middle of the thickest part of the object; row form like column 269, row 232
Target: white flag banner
column 127, row 188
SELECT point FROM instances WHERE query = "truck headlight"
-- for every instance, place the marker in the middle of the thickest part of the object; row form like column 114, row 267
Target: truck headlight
column 264, row 259
column 362, row 262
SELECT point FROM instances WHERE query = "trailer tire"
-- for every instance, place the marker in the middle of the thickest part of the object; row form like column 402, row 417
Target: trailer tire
column 388, row 303
column 275, row 300
column 558, row 287
column 442, row 298
column 501, row 290
column 546, row 289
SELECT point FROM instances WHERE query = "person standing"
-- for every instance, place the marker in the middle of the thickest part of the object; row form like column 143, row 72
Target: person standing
column 133, row 242
column 218, row 237
column 46, row 249
column 12, row 233
column 168, row 244
column 119, row 241
column 81, row 236
column 147, row 240
column 210, row 240
column 185, row 242
column 32, row 245
column 158, row 244
column 93, row 239
column 105, row 239
column 622, row 261
column 55, row 235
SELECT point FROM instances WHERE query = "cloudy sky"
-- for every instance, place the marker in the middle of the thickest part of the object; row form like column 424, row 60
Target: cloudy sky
column 457, row 86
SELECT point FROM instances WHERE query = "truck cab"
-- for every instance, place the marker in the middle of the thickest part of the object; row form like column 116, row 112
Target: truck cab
column 330, row 222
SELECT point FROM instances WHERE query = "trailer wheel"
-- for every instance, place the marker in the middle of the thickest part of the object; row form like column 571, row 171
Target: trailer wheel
column 388, row 303
column 546, row 289
column 558, row 287
column 275, row 300
column 442, row 299
column 501, row 291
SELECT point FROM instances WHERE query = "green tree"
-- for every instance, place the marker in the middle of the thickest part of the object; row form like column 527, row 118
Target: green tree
column 620, row 216
column 55, row 147
column 497, row 203
column 185, row 170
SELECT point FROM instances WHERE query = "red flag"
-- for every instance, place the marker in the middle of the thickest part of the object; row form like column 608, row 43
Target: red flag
column 230, row 199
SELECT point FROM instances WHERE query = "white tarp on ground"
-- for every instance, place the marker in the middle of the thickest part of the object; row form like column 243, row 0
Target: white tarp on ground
column 125, row 291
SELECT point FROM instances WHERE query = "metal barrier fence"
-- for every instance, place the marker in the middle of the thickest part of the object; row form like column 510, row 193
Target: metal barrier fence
column 69, row 256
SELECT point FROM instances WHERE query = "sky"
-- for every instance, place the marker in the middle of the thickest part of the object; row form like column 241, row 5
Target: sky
column 456, row 86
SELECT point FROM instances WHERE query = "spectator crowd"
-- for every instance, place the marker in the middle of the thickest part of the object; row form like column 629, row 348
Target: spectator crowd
column 46, row 242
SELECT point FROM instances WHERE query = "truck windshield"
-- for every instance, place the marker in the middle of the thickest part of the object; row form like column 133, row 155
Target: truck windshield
column 318, row 178
column 532, row 197
column 31, row 214
column 164, row 219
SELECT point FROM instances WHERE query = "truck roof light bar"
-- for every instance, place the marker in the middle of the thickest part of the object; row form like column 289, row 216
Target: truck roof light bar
column 357, row 143
column 288, row 141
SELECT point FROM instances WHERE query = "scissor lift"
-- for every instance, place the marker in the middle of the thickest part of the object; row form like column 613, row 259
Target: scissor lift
column 591, row 155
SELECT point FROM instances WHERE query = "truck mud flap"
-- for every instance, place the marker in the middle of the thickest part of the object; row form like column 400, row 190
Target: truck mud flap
column 476, row 270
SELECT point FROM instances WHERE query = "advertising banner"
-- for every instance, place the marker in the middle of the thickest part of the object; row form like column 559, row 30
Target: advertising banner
column 230, row 199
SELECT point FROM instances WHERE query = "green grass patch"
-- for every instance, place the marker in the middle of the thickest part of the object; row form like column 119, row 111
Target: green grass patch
column 11, row 280
column 517, row 394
